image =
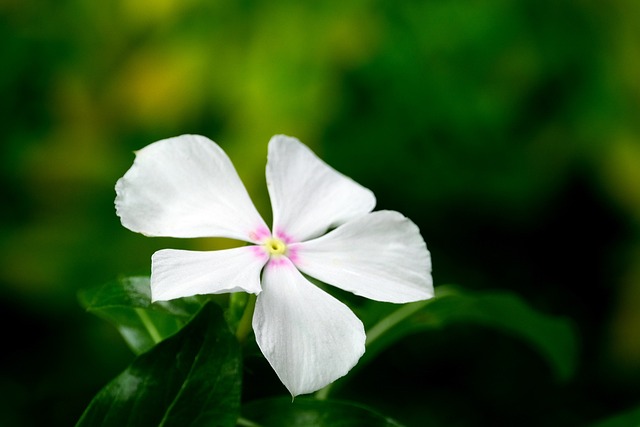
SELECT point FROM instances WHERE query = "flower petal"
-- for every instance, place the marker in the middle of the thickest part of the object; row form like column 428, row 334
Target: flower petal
column 380, row 256
column 307, row 195
column 309, row 338
column 185, row 187
column 179, row 273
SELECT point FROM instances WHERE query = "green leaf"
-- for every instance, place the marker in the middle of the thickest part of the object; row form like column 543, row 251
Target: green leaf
column 305, row 412
column 625, row 419
column 237, row 304
column 126, row 303
column 554, row 337
column 190, row 379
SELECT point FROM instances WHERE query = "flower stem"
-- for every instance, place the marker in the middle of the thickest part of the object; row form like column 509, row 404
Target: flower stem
column 393, row 319
column 323, row 393
column 148, row 324
column 244, row 326
column 243, row 422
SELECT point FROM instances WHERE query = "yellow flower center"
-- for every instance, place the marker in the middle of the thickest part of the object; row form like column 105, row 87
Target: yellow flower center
column 275, row 246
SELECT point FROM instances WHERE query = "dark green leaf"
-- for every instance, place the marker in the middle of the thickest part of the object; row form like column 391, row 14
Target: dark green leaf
column 127, row 304
column 625, row 419
column 237, row 304
column 554, row 337
column 190, row 379
column 305, row 412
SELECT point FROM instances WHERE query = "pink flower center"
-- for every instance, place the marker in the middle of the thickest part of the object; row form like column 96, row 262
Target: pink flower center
column 278, row 246
column 275, row 247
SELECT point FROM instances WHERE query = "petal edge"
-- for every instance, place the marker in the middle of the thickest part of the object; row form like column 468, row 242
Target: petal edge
column 380, row 256
column 307, row 195
column 180, row 273
column 185, row 186
column 309, row 337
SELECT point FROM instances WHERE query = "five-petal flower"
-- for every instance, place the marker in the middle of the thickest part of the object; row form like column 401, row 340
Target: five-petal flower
column 323, row 227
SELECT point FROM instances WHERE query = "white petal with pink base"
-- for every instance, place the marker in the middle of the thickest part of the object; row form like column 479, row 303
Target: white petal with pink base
column 309, row 337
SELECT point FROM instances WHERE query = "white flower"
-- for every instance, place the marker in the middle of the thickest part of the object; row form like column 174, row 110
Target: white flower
column 187, row 187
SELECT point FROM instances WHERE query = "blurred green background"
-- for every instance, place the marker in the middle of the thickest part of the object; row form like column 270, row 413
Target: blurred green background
column 508, row 131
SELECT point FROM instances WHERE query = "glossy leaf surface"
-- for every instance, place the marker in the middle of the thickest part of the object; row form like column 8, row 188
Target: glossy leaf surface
column 190, row 379
column 304, row 412
column 126, row 303
column 553, row 337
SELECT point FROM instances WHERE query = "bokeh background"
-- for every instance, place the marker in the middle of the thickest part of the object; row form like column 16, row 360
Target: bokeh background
column 509, row 131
